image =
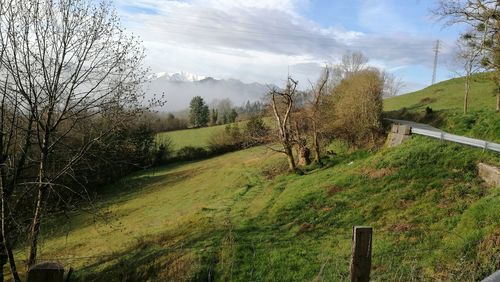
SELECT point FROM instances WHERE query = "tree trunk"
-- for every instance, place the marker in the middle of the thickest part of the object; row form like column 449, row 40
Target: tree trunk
column 498, row 101
column 291, row 160
column 3, row 261
column 35, row 228
column 466, row 95
column 317, row 156
column 42, row 191
column 303, row 155
column 12, row 263
column 5, row 251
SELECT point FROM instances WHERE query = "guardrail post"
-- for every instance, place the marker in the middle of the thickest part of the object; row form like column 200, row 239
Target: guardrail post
column 361, row 256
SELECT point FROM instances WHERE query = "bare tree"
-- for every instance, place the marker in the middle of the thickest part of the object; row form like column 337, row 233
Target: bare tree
column 483, row 17
column 318, row 92
column 468, row 58
column 392, row 84
column 352, row 62
column 64, row 63
column 282, row 103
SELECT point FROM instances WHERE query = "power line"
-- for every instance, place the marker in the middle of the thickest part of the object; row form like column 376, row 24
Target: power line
column 434, row 68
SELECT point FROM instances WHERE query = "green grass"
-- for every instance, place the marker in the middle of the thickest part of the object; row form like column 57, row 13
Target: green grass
column 241, row 217
column 445, row 100
column 448, row 95
column 228, row 218
column 196, row 137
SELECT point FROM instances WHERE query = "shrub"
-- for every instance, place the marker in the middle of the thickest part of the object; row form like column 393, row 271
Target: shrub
column 356, row 108
column 228, row 140
column 163, row 150
column 256, row 131
column 189, row 153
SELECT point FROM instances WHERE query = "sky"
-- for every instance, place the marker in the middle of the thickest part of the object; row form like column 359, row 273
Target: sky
column 265, row 40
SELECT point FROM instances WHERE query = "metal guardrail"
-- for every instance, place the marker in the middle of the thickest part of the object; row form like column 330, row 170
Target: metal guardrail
column 426, row 130
column 457, row 139
column 495, row 277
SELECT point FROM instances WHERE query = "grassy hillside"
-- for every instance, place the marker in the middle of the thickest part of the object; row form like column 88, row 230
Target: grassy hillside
column 447, row 95
column 241, row 217
column 196, row 137
column 237, row 217
column 445, row 101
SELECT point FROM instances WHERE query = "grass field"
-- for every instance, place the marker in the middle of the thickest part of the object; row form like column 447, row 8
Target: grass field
column 448, row 95
column 241, row 217
column 196, row 137
column 237, row 217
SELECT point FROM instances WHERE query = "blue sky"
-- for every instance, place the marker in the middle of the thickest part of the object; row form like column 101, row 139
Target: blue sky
column 261, row 40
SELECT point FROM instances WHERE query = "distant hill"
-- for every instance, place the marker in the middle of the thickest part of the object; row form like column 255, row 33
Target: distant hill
column 179, row 88
column 447, row 95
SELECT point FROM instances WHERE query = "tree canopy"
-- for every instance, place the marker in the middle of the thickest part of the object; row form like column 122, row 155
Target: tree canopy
column 198, row 112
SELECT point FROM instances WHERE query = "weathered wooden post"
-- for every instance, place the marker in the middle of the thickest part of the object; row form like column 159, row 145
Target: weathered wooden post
column 361, row 256
column 46, row 272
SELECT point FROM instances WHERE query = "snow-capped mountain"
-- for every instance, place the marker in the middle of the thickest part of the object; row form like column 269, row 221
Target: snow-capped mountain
column 179, row 88
column 178, row 76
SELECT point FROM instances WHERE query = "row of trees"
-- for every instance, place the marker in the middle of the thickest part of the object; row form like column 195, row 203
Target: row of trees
column 70, row 98
column 201, row 116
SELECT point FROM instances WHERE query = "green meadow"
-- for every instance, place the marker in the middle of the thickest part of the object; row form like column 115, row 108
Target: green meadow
column 242, row 217
column 196, row 137
column 448, row 95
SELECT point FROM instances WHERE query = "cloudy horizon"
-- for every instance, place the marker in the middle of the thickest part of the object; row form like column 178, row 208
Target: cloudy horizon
column 261, row 41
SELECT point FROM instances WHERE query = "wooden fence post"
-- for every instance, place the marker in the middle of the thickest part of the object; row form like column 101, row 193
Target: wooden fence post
column 361, row 256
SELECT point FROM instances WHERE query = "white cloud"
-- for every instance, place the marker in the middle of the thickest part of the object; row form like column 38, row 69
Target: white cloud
column 257, row 40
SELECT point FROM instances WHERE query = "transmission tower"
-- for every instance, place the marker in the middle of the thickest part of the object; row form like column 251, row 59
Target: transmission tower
column 434, row 68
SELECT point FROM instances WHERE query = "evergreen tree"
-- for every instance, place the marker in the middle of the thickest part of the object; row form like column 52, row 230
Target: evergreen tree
column 198, row 112
column 214, row 116
column 232, row 116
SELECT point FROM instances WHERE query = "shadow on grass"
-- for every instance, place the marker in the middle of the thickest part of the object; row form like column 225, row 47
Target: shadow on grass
column 150, row 258
column 117, row 194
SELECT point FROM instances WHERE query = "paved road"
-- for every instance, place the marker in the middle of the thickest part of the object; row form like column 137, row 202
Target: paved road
column 413, row 124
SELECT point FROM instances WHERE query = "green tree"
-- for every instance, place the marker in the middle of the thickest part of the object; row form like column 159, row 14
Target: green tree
column 256, row 131
column 214, row 116
column 232, row 116
column 198, row 113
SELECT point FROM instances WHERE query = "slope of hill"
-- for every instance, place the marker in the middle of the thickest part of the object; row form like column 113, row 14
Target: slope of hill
column 237, row 217
column 441, row 105
column 199, row 137
column 196, row 137
column 447, row 95
column 241, row 217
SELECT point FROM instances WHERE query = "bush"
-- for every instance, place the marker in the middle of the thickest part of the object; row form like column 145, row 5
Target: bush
column 189, row 153
column 230, row 139
column 163, row 149
column 256, row 131
column 356, row 108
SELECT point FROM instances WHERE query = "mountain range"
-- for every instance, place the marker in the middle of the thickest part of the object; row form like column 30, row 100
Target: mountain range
column 179, row 88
